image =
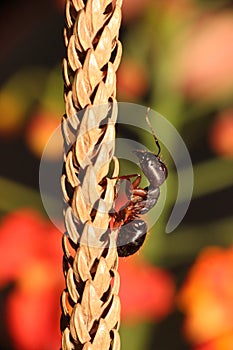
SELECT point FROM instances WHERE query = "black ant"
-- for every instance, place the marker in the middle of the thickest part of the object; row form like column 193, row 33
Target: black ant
column 132, row 229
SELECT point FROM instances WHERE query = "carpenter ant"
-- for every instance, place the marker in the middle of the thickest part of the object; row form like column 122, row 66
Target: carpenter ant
column 132, row 229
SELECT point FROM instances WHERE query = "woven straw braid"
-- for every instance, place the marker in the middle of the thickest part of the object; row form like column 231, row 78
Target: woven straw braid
column 90, row 302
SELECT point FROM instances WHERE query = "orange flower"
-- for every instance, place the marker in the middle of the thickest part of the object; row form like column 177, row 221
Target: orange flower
column 205, row 58
column 131, row 9
column 39, row 131
column 132, row 81
column 178, row 8
column 221, row 134
column 224, row 342
column 13, row 112
column 207, row 299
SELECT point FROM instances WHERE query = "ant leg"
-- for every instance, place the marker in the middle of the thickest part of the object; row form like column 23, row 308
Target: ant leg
column 141, row 192
column 136, row 191
column 125, row 177
column 135, row 183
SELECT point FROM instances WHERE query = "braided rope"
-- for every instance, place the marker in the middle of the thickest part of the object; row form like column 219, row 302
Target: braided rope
column 90, row 303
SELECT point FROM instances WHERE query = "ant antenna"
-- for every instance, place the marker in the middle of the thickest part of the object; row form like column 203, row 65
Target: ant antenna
column 152, row 131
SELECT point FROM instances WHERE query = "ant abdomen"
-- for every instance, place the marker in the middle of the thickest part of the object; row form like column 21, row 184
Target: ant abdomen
column 131, row 237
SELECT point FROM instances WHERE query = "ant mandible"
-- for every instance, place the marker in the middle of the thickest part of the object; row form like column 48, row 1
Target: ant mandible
column 132, row 229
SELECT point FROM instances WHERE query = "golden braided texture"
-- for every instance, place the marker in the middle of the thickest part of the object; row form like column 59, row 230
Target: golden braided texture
column 90, row 302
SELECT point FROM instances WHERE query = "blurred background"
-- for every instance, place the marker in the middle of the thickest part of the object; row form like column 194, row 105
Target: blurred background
column 178, row 59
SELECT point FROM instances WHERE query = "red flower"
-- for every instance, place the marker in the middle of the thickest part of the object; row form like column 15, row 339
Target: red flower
column 31, row 255
column 207, row 300
column 146, row 292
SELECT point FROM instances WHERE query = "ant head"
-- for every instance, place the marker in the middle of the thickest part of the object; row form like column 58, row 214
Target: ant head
column 153, row 132
column 152, row 166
